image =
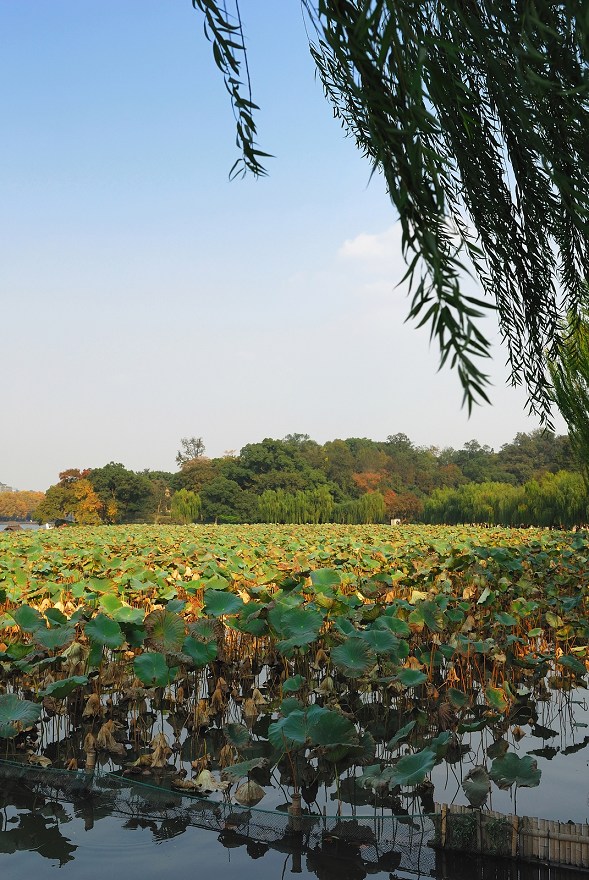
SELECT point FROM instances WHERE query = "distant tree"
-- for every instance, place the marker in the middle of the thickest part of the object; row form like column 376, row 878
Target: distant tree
column 191, row 448
column 74, row 496
column 196, row 473
column 186, row 506
column 123, row 492
column 19, row 505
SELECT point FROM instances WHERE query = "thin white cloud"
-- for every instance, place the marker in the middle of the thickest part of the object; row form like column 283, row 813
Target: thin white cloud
column 379, row 252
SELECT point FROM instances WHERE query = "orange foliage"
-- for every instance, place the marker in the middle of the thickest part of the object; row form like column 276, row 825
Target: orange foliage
column 88, row 506
column 19, row 505
column 368, row 481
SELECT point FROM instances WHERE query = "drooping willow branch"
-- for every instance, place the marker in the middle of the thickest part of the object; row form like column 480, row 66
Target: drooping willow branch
column 476, row 113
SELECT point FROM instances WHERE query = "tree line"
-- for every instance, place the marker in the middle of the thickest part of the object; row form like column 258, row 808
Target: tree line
column 534, row 479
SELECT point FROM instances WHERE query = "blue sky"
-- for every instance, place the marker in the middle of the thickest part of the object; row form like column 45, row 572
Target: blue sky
column 146, row 298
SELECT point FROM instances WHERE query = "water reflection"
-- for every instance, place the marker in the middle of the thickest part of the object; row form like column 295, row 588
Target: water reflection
column 55, row 818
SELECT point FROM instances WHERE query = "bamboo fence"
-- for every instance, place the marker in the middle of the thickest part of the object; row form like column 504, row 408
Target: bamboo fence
column 463, row 829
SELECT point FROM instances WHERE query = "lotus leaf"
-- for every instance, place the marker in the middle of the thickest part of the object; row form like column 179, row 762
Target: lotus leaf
column 382, row 641
column 572, row 663
column 203, row 629
column 411, row 677
column 497, row 699
column 512, row 769
column 324, row 578
column 56, row 617
column 297, row 626
column 412, row 769
column 354, row 656
column 54, row 637
column 237, row 771
column 220, row 602
column 151, row 668
column 401, row 734
column 320, row 726
column 293, row 684
column 102, row 630
column 165, row 630
column 249, row 794
column 476, row 786
column 128, row 614
column 237, row 735
column 200, row 653
column 17, row 715
column 27, row 618
column 64, row 687
column 110, row 603
column 397, row 625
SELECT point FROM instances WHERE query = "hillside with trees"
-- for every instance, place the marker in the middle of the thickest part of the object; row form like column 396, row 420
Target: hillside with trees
column 534, row 479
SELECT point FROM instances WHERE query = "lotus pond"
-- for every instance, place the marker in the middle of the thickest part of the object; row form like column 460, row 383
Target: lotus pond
column 368, row 671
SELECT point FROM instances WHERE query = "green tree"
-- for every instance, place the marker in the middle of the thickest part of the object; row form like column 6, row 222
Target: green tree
column 186, row 506
column 122, row 492
column 476, row 115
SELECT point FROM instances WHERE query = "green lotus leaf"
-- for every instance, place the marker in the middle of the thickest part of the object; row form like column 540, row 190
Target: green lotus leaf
column 457, row 698
column 512, row 769
column 411, row 677
column 401, row 734
column 428, row 613
column 109, row 602
column 203, row 629
column 151, row 669
column 505, row 619
column 27, row 618
column 397, row 625
column 553, row 620
column 165, row 630
column 382, row 641
column 440, row 743
column 65, row 687
column 56, row 617
column 216, row 582
column 345, row 626
column 293, row 684
column 325, row 578
column 301, row 624
column 17, row 715
column 496, row 699
column 326, row 727
column 319, row 726
column 237, row 735
column 250, row 621
column 221, row 602
column 200, row 653
column 104, row 631
column 476, row 786
column 55, row 637
column 572, row 663
column 289, row 732
column 375, row 778
column 237, row 771
column 412, row 769
column 354, row 656
column 128, row 614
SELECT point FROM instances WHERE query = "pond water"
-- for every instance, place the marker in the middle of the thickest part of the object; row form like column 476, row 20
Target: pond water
column 129, row 831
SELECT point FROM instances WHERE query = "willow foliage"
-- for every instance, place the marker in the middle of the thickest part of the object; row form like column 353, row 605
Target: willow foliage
column 476, row 113
column 570, row 377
